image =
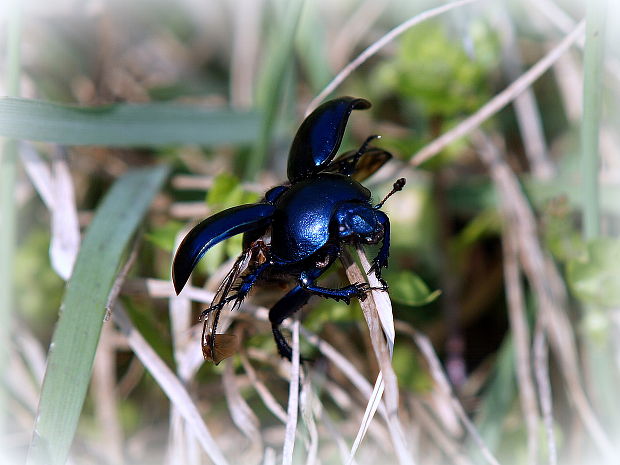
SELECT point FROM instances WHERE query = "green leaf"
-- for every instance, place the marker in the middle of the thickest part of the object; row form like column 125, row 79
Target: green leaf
column 277, row 63
column 225, row 192
column 125, row 125
column 165, row 235
column 595, row 277
column 407, row 288
column 75, row 339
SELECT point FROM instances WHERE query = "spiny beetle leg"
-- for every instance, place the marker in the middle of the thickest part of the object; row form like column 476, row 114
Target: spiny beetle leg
column 285, row 307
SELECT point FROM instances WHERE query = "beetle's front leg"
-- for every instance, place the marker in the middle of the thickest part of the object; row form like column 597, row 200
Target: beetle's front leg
column 241, row 291
column 381, row 260
column 358, row 290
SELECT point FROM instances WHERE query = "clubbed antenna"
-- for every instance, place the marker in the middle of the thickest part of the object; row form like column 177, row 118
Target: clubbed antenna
column 398, row 186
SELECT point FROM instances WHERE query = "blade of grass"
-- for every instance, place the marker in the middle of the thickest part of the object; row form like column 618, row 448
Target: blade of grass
column 76, row 336
column 126, row 125
column 8, row 213
column 599, row 350
column 276, row 70
column 592, row 101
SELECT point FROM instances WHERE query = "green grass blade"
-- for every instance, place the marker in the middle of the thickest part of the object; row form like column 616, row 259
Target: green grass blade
column 8, row 210
column 590, row 126
column 277, row 66
column 126, row 124
column 76, row 336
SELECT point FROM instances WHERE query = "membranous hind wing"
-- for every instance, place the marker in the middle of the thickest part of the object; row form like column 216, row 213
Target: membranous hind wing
column 219, row 346
column 360, row 165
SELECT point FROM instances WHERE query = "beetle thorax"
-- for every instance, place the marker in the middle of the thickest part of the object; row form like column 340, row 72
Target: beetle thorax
column 301, row 223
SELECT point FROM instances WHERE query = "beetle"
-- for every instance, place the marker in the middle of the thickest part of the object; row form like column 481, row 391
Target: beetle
column 298, row 229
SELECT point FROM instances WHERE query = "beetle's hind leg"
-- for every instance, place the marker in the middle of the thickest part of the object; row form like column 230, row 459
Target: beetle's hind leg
column 285, row 307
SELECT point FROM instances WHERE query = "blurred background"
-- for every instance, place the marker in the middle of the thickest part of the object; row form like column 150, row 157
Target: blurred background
column 492, row 259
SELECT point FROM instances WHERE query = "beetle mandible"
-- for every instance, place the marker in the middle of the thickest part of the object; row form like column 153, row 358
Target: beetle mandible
column 299, row 229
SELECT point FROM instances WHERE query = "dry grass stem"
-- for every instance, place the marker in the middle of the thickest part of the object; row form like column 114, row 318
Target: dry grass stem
column 180, row 436
column 569, row 77
column 545, row 280
column 65, row 240
column 563, row 22
column 354, row 30
column 383, row 351
column 541, row 368
column 430, row 426
column 105, row 397
column 241, row 413
column 521, row 334
column 309, row 404
column 293, row 400
column 525, row 105
column 441, row 380
column 170, row 384
column 55, row 187
column 378, row 45
column 499, row 101
column 245, row 51
column 263, row 392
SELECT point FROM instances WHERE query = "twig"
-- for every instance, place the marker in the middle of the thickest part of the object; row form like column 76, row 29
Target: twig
column 499, row 101
column 378, row 45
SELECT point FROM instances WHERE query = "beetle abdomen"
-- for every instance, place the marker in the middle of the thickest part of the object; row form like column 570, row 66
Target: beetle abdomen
column 303, row 214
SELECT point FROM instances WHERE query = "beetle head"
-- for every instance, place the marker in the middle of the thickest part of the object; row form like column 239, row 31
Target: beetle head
column 359, row 223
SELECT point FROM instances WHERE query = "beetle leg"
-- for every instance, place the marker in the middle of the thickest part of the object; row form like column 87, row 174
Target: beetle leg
column 381, row 260
column 285, row 307
column 359, row 290
column 241, row 291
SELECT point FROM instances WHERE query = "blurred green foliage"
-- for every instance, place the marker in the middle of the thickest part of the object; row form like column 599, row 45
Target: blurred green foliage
column 434, row 72
column 38, row 288
column 594, row 277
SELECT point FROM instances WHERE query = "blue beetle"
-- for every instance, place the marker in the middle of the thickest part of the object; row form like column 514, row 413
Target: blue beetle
column 298, row 230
